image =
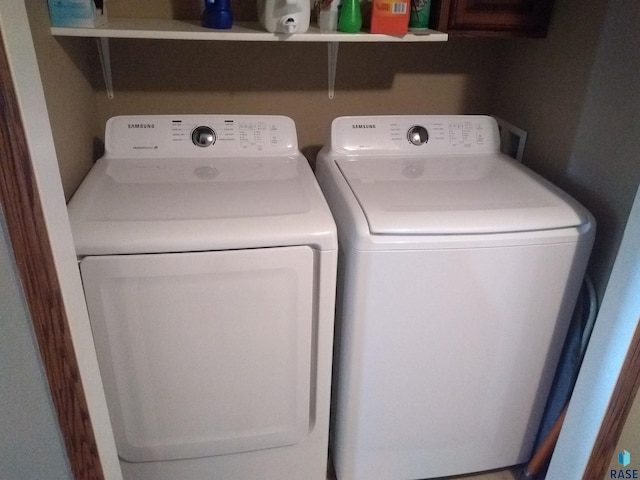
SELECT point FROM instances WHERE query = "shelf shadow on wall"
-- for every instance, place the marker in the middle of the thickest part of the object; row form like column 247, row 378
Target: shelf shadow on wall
column 188, row 66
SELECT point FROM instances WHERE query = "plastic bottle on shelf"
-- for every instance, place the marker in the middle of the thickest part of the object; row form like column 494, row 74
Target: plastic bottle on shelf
column 217, row 14
column 328, row 12
column 350, row 20
column 419, row 17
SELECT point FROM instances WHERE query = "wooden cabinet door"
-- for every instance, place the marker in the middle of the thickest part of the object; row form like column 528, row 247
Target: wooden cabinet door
column 493, row 17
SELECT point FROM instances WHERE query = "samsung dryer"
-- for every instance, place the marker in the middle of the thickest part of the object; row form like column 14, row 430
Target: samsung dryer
column 458, row 273
column 208, row 257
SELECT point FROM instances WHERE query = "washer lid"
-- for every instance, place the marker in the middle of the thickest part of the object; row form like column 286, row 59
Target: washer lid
column 148, row 205
column 456, row 195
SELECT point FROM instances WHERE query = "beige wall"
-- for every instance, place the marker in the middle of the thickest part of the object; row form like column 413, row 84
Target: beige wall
column 291, row 79
column 574, row 101
column 68, row 70
column 542, row 84
column 577, row 95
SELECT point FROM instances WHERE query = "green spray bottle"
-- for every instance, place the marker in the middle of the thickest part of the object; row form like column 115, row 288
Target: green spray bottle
column 350, row 20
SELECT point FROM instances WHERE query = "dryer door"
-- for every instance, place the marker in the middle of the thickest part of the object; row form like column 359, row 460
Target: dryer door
column 203, row 353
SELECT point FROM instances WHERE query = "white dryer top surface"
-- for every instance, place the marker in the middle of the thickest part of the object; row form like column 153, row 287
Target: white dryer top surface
column 137, row 201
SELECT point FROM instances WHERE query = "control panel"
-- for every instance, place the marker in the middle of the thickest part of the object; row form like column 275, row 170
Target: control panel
column 185, row 136
column 413, row 134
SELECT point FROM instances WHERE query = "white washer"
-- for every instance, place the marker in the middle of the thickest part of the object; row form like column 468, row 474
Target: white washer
column 458, row 272
column 208, row 256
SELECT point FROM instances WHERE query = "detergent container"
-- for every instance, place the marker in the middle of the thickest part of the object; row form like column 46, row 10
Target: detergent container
column 217, row 14
column 284, row 16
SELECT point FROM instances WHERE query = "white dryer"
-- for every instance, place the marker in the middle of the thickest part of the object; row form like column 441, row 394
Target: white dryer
column 208, row 256
column 458, row 273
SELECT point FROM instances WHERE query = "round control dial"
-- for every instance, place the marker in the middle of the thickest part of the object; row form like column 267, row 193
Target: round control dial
column 203, row 136
column 418, row 135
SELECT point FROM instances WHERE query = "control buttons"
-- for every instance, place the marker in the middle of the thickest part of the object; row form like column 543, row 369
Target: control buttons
column 417, row 135
column 203, row 136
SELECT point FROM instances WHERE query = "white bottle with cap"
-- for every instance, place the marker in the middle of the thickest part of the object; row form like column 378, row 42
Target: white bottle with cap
column 284, row 16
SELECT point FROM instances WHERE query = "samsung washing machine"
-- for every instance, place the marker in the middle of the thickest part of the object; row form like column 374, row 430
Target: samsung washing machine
column 458, row 273
column 208, row 257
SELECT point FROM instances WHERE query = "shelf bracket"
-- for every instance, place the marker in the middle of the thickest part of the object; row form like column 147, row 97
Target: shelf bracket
column 105, row 63
column 332, row 58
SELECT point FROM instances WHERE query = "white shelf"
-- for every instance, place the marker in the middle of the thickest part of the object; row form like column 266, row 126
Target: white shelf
column 241, row 31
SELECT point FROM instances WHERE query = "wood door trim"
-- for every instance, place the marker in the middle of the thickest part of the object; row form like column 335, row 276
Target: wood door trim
column 29, row 238
column 617, row 412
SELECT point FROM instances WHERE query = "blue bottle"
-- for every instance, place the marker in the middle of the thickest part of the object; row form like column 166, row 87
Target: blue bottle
column 217, row 14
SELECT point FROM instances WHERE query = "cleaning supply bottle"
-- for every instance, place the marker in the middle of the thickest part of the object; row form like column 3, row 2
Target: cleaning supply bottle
column 419, row 17
column 350, row 20
column 217, row 14
column 328, row 11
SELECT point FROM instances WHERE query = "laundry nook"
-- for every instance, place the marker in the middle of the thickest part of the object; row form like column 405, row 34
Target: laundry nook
column 319, row 239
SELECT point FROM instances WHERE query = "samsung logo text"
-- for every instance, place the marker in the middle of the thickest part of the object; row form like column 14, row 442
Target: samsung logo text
column 141, row 125
column 363, row 125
